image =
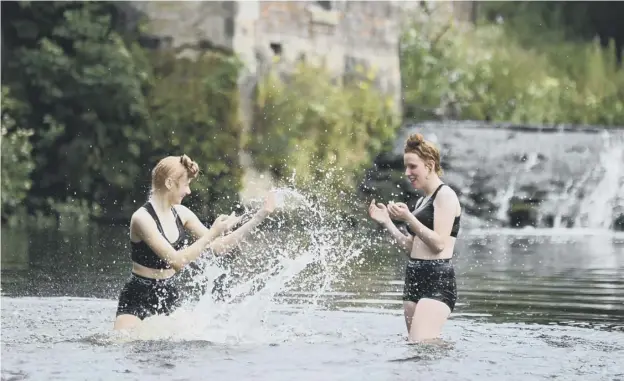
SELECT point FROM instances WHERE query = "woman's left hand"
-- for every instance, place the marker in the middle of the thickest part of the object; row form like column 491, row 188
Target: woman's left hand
column 233, row 220
column 398, row 211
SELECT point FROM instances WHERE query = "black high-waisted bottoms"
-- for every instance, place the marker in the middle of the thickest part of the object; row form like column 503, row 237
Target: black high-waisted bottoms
column 144, row 297
column 432, row 279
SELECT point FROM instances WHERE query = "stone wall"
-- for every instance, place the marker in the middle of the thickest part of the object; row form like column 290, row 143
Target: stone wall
column 341, row 37
column 184, row 25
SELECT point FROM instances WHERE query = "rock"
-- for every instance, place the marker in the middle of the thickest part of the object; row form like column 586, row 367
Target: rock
column 618, row 223
column 522, row 213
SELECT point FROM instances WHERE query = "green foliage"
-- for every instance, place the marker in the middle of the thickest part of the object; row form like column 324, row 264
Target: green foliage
column 103, row 111
column 84, row 99
column 194, row 106
column 318, row 131
column 17, row 162
column 483, row 73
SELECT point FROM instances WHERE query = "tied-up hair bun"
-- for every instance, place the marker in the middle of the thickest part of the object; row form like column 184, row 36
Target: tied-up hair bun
column 414, row 140
column 190, row 165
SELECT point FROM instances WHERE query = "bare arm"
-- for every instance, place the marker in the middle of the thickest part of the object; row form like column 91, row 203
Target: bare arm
column 405, row 241
column 145, row 228
column 226, row 243
column 445, row 207
column 191, row 222
column 379, row 213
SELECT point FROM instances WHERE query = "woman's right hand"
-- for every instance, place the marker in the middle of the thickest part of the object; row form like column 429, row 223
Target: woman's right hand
column 232, row 220
column 221, row 224
column 378, row 212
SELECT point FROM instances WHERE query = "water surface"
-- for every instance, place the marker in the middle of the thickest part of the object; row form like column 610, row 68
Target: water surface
column 533, row 305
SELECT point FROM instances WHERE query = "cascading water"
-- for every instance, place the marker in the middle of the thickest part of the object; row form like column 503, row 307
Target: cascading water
column 605, row 198
column 508, row 193
column 595, row 198
column 304, row 258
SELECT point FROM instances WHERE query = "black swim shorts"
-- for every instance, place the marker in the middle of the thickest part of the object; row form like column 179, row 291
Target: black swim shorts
column 432, row 279
column 144, row 297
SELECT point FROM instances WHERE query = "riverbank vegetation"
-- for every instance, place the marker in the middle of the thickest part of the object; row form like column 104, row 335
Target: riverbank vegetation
column 87, row 110
column 523, row 62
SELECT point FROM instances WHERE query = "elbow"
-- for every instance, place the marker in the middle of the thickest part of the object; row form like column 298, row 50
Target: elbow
column 176, row 263
column 438, row 247
column 177, row 266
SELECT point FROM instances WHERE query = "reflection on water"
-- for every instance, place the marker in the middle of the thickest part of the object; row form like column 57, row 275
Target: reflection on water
column 547, row 277
column 46, row 262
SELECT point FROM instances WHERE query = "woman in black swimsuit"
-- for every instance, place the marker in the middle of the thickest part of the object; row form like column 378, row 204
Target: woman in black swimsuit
column 430, row 290
column 160, row 235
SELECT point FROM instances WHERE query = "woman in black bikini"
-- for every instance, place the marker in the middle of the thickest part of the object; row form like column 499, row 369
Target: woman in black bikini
column 430, row 289
column 161, row 232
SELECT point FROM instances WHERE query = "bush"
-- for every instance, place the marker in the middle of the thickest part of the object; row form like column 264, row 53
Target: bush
column 17, row 162
column 319, row 131
column 484, row 73
column 103, row 111
column 82, row 95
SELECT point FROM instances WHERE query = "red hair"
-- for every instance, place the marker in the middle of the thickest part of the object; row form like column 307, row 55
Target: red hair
column 426, row 150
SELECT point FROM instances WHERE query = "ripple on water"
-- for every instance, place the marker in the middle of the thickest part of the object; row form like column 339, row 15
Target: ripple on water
column 43, row 341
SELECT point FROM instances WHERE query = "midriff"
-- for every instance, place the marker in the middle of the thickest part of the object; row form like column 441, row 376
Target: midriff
column 152, row 273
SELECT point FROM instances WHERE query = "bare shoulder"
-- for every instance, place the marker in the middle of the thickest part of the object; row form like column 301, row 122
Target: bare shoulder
column 140, row 217
column 448, row 192
column 447, row 196
column 140, row 222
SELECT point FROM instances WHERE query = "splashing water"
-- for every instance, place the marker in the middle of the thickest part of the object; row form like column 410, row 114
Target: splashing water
column 295, row 258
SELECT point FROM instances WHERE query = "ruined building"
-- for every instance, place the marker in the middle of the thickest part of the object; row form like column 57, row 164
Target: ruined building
column 338, row 34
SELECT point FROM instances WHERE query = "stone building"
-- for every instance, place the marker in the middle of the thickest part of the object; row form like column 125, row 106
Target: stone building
column 337, row 34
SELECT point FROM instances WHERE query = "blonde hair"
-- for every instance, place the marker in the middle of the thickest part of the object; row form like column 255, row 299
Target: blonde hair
column 426, row 150
column 173, row 167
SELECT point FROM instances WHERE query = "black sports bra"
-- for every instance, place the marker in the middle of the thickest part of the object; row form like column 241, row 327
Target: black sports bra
column 145, row 256
column 425, row 214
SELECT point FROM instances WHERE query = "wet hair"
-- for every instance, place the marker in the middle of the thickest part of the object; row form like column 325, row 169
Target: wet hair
column 173, row 167
column 425, row 149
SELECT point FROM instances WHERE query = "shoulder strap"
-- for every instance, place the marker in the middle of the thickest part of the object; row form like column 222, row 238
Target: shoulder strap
column 177, row 217
column 419, row 202
column 150, row 209
column 433, row 196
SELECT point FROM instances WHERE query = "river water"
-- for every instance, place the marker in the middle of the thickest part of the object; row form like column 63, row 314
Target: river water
column 533, row 305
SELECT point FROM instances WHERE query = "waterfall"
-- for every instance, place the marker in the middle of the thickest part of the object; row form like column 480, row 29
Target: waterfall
column 605, row 198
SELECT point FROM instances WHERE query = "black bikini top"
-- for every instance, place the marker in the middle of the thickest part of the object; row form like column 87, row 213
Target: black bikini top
column 425, row 214
column 145, row 256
